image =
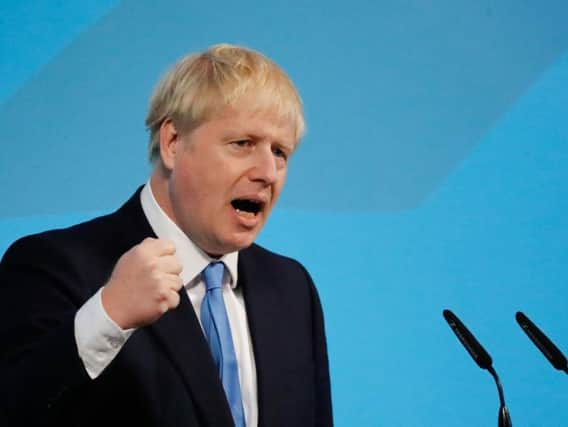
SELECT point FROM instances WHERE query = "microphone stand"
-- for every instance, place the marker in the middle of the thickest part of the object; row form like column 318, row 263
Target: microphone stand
column 504, row 417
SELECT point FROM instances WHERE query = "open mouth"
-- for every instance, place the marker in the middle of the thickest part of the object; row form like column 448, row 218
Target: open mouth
column 247, row 208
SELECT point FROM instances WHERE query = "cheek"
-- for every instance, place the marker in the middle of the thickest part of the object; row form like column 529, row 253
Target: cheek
column 185, row 193
column 203, row 190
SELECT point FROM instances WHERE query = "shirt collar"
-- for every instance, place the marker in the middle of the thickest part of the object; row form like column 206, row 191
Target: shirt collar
column 192, row 258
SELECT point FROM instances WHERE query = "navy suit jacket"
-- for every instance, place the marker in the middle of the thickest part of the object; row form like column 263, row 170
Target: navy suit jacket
column 164, row 375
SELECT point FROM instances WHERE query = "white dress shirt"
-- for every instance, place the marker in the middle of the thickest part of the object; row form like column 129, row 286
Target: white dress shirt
column 99, row 339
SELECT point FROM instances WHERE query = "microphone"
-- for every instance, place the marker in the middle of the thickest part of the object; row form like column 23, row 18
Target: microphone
column 547, row 347
column 483, row 360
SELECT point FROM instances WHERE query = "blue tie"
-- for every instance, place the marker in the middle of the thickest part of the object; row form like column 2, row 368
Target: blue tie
column 218, row 333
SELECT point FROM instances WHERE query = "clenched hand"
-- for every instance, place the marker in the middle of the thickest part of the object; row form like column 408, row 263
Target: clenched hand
column 144, row 284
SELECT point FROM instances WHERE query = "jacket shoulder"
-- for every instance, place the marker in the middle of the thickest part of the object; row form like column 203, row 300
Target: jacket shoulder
column 55, row 240
column 102, row 234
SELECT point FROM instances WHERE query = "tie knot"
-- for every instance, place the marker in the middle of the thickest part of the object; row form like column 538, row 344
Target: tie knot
column 213, row 275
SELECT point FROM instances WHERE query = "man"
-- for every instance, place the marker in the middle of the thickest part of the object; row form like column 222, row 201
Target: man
column 165, row 313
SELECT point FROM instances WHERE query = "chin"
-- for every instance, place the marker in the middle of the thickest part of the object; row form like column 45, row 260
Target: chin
column 228, row 246
column 241, row 245
column 241, row 242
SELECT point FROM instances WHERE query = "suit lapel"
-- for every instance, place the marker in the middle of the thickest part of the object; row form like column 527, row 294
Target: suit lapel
column 263, row 314
column 179, row 333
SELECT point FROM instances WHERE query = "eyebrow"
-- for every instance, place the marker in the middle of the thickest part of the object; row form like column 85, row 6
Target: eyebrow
column 237, row 132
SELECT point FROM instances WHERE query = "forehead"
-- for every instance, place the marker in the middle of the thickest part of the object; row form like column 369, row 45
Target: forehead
column 241, row 120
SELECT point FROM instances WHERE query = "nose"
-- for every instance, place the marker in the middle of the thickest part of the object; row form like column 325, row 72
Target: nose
column 265, row 168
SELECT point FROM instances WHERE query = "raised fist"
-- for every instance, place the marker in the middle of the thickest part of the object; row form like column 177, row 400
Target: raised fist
column 144, row 284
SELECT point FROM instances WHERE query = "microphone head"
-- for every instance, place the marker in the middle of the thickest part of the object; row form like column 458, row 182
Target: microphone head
column 476, row 351
column 547, row 347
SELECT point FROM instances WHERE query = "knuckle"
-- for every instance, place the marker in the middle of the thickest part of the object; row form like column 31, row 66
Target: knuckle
column 175, row 269
column 178, row 266
column 162, row 294
column 152, row 264
column 137, row 251
column 146, row 244
column 168, row 246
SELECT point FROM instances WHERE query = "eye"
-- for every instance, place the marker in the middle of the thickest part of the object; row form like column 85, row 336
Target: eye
column 279, row 152
column 242, row 143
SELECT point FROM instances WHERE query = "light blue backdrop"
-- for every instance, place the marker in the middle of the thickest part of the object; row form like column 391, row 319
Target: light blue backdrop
column 433, row 174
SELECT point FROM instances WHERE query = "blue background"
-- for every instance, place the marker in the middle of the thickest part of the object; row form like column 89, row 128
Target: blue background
column 433, row 174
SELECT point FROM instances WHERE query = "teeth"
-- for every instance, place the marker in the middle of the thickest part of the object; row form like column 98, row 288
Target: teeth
column 245, row 214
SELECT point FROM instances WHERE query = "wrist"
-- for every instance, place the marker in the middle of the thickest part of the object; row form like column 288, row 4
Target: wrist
column 111, row 308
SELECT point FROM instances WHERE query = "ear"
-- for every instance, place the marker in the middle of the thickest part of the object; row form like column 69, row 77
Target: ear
column 170, row 142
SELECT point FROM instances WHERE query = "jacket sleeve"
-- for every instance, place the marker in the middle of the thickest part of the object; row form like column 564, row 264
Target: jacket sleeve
column 39, row 361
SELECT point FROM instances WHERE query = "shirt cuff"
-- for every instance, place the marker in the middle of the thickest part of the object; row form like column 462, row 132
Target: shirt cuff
column 98, row 337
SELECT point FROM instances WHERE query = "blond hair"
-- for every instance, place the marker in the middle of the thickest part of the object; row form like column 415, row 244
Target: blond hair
column 200, row 85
